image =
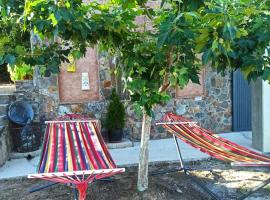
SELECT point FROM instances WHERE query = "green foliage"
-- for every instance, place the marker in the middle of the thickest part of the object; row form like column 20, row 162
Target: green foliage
column 160, row 53
column 159, row 57
column 227, row 35
column 236, row 35
column 115, row 118
column 24, row 72
column 45, row 32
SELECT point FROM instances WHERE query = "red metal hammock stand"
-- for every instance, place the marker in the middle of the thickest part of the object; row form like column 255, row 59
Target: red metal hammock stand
column 74, row 153
column 82, row 188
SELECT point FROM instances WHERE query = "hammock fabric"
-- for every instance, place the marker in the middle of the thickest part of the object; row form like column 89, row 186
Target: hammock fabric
column 210, row 143
column 74, row 152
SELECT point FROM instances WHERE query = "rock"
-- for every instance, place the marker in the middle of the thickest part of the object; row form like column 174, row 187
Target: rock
column 78, row 108
column 224, row 104
column 64, row 109
column 181, row 110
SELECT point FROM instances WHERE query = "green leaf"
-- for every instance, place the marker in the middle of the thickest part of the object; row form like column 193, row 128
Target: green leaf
column 247, row 71
column 77, row 54
column 67, row 4
column 194, row 78
column 214, row 45
column 207, row 56
column 19, row 50
column 53, row 19
column 64, row 14
column 183, row 81
column 40, row 24
column 229, row 32
column 266, row 74
column 2, row 60
column 162, row 38
column 202, row 40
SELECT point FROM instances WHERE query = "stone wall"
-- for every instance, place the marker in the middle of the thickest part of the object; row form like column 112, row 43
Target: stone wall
column 212, row 109
column 26, row 91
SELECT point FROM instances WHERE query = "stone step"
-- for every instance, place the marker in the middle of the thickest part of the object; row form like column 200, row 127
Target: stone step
column 15, row 155
column 120, row 145
column 3, row 109
column 3, row 120
column 7, row 89
column 6, row 98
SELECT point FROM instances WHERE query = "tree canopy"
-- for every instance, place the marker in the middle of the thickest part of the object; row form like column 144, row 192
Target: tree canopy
column 44, row 33
column 229, row 34
column 184, row 36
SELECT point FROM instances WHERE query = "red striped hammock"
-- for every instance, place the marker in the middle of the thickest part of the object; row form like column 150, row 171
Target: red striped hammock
column 74, row 152
column 210, row 143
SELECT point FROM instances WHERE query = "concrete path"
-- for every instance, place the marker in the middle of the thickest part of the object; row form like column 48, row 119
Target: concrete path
column 160, row 151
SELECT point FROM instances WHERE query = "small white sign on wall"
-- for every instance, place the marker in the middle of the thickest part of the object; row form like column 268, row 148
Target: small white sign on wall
column 85, row 81
column 198, row 98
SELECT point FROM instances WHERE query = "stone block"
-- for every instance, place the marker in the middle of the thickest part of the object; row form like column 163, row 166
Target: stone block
column 3, row 109
column 3, row 120
column 181, row 109
column 24, row 85
column 63, row 109
column 78, row 108
column 6, row 98
column 47, row 82
column 7, row 89
column 120, row 145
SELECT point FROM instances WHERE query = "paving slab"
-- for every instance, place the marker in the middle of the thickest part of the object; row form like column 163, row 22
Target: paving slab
column 162, row 150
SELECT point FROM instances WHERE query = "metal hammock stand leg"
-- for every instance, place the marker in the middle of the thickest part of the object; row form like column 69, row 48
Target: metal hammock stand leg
column 198, row 182
column 186, row 171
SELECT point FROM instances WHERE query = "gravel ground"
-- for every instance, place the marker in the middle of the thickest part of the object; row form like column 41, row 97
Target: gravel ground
column 228, row 182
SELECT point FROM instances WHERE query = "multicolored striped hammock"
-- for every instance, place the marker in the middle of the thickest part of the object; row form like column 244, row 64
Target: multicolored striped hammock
column 74, row 152
column 210, row 143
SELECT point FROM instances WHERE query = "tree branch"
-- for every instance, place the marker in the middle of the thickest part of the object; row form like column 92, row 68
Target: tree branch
column 166, row 82
column 147, row 12
column 164, row 87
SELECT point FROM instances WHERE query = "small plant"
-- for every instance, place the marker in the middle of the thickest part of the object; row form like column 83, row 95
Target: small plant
column 23, row 72
column 115, row 118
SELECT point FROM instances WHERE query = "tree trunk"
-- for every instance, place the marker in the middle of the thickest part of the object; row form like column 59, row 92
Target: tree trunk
column 142, row 184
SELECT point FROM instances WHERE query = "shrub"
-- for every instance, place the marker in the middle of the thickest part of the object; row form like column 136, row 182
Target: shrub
column 115, row 118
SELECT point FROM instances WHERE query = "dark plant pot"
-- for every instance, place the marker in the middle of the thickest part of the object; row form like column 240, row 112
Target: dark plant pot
column 115, row 135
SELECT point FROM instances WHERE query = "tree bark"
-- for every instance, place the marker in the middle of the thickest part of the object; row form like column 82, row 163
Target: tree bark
column 142, row 184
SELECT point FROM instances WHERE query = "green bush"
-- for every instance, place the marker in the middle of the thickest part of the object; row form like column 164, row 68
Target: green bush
column 115, row 118
column 22, row 72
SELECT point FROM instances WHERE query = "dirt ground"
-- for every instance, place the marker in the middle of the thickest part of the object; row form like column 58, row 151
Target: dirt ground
column 228, row 182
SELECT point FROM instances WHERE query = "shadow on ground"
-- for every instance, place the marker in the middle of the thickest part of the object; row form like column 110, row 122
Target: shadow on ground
column 228, row 182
